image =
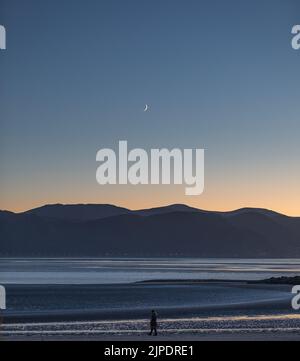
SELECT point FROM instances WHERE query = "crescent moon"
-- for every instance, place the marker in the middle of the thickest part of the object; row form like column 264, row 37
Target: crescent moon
column 146, row 107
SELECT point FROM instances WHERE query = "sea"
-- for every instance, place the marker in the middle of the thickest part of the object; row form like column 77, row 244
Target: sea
column 127, row 270
column 99, row 297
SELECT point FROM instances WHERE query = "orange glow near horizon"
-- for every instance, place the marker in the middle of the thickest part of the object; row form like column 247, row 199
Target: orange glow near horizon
column 229, row 191
column 292, row 212
column 141, row 198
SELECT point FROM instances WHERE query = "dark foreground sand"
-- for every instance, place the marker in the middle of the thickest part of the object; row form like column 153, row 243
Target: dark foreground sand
column 253, row 336
column 187, row 312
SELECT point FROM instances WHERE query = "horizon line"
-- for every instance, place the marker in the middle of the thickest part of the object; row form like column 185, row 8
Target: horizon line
column 155, row 207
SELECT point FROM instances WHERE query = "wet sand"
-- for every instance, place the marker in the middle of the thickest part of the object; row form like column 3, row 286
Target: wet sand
column 221, row 336
column 187, row 311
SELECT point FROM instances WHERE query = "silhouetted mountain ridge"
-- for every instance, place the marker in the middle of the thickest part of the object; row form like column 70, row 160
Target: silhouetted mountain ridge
column 79, row 212
column 177, row 230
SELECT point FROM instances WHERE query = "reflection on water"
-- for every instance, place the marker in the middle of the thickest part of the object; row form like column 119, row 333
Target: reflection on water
column 227, row 324
column 125, row 270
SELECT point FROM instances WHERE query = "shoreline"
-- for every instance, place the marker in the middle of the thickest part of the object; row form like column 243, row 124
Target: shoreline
column 197, row 310
column 192, row 299
column 284, row 280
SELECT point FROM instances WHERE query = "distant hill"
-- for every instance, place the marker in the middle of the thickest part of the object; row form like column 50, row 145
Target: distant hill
column 175, row 230
column 88, row 212
column 78, row 212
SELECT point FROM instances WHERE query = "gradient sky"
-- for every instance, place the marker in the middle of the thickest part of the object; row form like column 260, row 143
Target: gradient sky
column 219, row 75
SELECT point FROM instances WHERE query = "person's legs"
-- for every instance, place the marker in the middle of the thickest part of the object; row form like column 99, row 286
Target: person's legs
column 155, row 331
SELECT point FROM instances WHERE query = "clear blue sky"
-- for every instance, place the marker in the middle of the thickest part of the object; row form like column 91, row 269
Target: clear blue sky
column 219, row 75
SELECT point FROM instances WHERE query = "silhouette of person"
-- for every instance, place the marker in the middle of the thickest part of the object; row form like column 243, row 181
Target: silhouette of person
column 153, row 323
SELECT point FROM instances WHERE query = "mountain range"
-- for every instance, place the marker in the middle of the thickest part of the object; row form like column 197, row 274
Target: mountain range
column 98, row 230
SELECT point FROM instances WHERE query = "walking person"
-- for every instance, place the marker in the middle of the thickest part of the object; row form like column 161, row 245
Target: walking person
column 153, row 323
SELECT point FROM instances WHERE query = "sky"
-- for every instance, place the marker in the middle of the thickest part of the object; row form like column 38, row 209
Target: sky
column 218, row 75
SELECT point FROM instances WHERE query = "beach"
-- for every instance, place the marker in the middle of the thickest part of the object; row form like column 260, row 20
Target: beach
column 112, row 299
column 187, row 311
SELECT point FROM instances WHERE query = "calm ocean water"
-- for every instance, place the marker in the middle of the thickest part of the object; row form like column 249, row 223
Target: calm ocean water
column 65, row 297
column 127, row 270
